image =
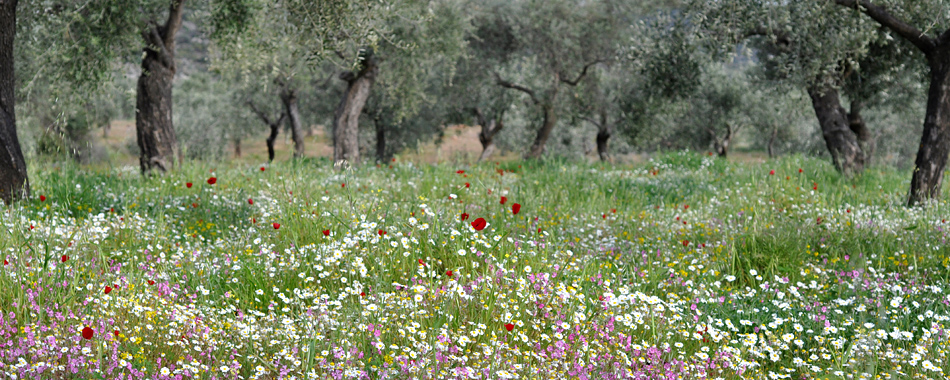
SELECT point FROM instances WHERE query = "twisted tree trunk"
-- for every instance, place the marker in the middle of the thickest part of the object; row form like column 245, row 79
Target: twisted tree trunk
column 380, row 140
column 487, row 135
column 14, row 183
column 346, row 119
column 603, row 136
column 841, row 141
column 550, row 120
column 274, row 126
column 153, row 115
column 289, row 97
column 935, row 142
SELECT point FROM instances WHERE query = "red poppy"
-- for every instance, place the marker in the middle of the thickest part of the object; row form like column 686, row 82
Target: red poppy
column 64, row 258
column 262, row 168
column 479, row 224
column 326, row 232
column 112, row 209
column 503, row 200
column 362, row 294
column 423, row 263
column 815, row 187
column 87, row 332
column 459, row 172
column 276, row 226
column 464, row 216
column 468, row 184
column 772, row 172
column 515, row 208
column 116, row 333
column 381, row 232
column 604, row 216
column 254, row 220
column 212, row 181
column 108, row 289
column 685, row 207
column 342, row 185
column 188, row 184
column 509, row 326
column 448, row 273
column 799, row 170
column 250, row 201
column 5, row 262
column 685, row 243
column 195, row 205
column 613, row 210
column 150, row 282
column 42, row 198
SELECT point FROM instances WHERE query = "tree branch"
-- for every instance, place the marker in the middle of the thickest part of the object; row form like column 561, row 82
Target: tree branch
column 263, row 115
column 592, row 121
column 923, row 42
column 174, row 23
column 153, row 37
column 581, row 75
column 513, row 86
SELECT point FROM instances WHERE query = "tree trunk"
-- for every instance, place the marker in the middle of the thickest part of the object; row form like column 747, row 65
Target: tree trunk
column 771, row 147
column 550, row 119
column 604, row 131
column 274, row 129
column 861, row 132
column 237, row 147
column 380, row 141
column 153, row 115
column 14, row 183
column 346, row 119
column 835, row 127
column 487, row 135
column 289, row 97
column 935, row 142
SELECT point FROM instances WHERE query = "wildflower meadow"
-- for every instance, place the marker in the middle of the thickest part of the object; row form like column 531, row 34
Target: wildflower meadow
column 682, row 267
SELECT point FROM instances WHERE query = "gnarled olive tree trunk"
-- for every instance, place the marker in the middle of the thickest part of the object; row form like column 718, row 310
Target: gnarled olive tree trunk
column 842, row 143
column 153, row 115
column 935, row 142
column 489, row 129
column 274, row 126
column 346, row 119
column 547, row 125
column 289, row 97
column 14, row 183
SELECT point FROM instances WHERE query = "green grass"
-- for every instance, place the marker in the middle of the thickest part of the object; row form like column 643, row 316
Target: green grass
column 672, row 232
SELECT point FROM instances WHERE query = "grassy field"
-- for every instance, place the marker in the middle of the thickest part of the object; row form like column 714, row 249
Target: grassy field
column 684, row 266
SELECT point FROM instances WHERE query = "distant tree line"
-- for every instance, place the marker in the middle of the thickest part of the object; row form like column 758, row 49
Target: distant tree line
column 586, row 77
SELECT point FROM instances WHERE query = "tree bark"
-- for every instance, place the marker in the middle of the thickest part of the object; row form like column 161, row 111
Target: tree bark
column 153, row 117
column 289, row 97
column 380, row 140
column 771, row 146
column 722, row 145
column 237, row 147
column 346, row 119
column 550, row 120
column 487, row 135
column 14, row 183
column 860, row 128
column 604, row 131
column 842, row 143
column 935, row 142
